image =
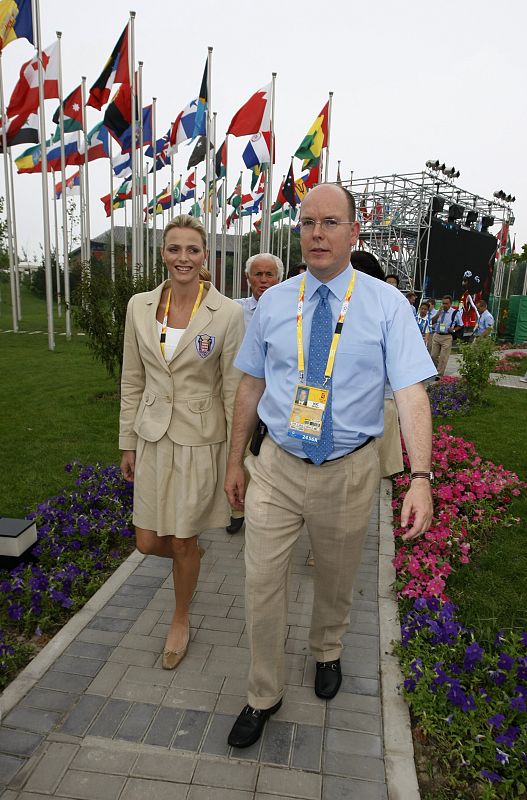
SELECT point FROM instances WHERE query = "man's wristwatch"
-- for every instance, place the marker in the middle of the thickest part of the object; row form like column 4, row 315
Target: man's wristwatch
column 429, row 476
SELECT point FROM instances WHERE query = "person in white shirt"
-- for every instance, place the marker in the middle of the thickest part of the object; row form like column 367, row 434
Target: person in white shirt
column 485, row 321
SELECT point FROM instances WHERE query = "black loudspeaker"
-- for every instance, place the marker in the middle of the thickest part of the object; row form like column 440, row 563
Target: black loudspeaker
column 451, row 252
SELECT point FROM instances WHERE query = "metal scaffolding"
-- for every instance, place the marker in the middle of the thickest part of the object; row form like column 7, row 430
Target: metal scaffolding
column 396, row 212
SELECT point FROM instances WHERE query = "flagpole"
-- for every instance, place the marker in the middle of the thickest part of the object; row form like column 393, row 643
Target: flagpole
column 212, row 248
column 269, row 182
column 250, row 233
column 112, row 226
column 180, row 190
column 288, row 239
column 207, row 143
column 154, row 188
column 44, row 173
column 81, row 221
column 64, row 198
column 57, row 266
column 125, row 238
column 86, row 176
column 326, row 165
column 172, row 186
column 15, row 241
column 140, row 232
column 131, row 67
column 223, row 266
column 12, row 280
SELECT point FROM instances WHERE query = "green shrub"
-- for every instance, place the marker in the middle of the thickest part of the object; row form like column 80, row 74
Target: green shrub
column 478, row 361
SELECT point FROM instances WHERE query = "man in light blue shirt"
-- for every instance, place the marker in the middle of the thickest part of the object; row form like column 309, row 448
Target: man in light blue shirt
column 485, row 321
column 379, row 340
column 445, row 323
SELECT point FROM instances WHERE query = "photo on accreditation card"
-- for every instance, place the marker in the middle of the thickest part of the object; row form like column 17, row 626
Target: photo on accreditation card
column 307, row 412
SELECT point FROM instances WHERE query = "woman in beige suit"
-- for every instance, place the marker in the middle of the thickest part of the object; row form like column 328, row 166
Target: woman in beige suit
column 177, row 396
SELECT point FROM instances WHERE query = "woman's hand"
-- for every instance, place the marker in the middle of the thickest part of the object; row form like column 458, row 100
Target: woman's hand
column 128, row 465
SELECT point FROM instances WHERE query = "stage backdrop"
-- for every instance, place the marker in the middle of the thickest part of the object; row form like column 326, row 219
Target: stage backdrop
column 451, row 252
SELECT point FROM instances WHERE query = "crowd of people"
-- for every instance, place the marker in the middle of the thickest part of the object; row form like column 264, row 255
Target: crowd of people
column 280, row 410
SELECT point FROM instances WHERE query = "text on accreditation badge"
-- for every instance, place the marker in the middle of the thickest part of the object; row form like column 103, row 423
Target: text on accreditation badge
column 307, row 413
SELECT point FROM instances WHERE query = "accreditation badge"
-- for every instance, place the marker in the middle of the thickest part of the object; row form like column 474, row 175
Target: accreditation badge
column 442, row 327
column 307, row 413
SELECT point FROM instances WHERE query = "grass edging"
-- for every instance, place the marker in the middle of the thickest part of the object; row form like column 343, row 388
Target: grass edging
column 36, row 668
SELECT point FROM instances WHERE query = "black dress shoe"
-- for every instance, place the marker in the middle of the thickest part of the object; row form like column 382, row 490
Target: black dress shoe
column 328, row 679
column 249, row 726
column 235, row 525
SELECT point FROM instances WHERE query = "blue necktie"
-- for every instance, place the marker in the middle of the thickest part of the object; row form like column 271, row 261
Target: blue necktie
column 319, row 344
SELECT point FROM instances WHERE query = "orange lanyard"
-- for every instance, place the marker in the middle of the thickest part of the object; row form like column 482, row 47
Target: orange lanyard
column 163, row 336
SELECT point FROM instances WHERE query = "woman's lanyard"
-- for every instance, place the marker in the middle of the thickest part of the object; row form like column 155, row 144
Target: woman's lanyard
column 163, row 335
column 336, row 335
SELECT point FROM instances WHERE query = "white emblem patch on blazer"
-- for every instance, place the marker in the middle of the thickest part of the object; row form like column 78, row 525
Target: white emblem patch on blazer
column 204, row 344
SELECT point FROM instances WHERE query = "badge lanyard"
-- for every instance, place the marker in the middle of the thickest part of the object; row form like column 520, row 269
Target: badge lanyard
column 163, row 335
column 336, row 335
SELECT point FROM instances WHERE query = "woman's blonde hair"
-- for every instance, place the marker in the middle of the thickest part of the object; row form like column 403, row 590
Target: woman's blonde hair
column 185, row 221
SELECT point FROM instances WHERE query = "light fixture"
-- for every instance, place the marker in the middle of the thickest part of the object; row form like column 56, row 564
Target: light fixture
column 438, row 203
column 432, row 164
column 486, row 223
column 472, row 216
column 451, row 172
column 455, row 212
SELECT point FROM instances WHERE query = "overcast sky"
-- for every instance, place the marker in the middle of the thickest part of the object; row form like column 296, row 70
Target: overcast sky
column 411, row 81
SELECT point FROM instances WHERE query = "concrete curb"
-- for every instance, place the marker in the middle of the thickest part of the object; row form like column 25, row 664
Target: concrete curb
column 29, row 676
column 401, row 776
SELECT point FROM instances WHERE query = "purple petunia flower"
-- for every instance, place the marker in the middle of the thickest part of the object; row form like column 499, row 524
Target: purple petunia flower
column 497, row 720
column 518, row 704
column 501, row 756
column 473, row 654
column 15, row 611
column 509, row 737
column 493, row 777
column 505, row 661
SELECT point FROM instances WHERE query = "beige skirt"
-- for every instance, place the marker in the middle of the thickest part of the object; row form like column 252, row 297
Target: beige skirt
column 178, row 490
column 389, row 445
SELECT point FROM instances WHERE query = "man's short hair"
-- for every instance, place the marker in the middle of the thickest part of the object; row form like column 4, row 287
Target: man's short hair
column 394, row 276
column 481, row 303
column 278, row 263
column 447, row 297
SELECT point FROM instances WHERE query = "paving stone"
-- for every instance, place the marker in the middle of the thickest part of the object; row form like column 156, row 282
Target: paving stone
column 63, row 682
column 215, row 742
column 361, row 703
column 101, row 623
column 301, row 712
column 198, row 682
column 353, row 743
column 9, row 766
column 137, row 642
column 170, row 767
column 209, row 610
column 228, row 775
column 187, row 698
column 136, row 658
column 226, row 668
column 129, row 601
column 349, row 789
column 304, row 694
column 51, row 767
column 161, row 571
column 107, row 679
column 291, row 783
column 78, row 666
column 146, row 621
column 109, row 719
column 100, row 637
column 32, row 719
column 307, row 747
column 81, row 717
column 190, row 731
column 163, row 727
column 236, row 613
column 18, row 743
column 108, row 760
column 222, row 624
column 230, row 704
column 137, row 789
column 89, row 650
column 353, row 640
column 204, row 793
column 139, row 693
column 7, row 794
column 48, row 699
column 120, row 612
column 149, row 676
column 137, row 721
column 126, row 590
column 354, row 766
column 351, row 683
column 225, row 638
column 90, row 785
column 277, row 742
column 353, row 721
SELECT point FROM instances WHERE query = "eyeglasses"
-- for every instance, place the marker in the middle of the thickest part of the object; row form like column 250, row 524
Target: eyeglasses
column 327, row 225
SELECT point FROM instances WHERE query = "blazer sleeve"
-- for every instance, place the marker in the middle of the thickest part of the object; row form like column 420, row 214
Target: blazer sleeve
column 132, row 383
column 230, row 374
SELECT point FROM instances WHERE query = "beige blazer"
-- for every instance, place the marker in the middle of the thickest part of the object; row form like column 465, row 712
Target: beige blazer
column 191, row 397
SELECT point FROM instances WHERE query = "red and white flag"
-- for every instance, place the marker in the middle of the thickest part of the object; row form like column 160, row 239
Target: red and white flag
column 254, row 116
column 24, row 100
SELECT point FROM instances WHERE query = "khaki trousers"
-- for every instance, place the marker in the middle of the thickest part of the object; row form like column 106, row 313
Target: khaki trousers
column 441, row 347
column 334, row 500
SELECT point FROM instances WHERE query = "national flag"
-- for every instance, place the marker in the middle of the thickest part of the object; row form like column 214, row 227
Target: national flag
column 258, row 150
column 107, row 203
column 250, row 203
column 502, row 237
column 161, row 145
column 286, row 193
column 315, row 139
column 198, row 154
column 29, row 160
column 72, row 106
column 183, row 128
column 126, row 138
column 514, row 244
column 16, row 21
column 305, row 182
column 72, row 184
column 236, row 196
column 98, row 142
column 221, row 160
column 200, row 121
column 28, row 134
column 124, row 192
column 122, row 165
column 254, row 116
column 118, row 115
column 115, row 70
column 161, row 160
column 24, row 100
column 219, row 196
column 189, row 189
column 195, row 210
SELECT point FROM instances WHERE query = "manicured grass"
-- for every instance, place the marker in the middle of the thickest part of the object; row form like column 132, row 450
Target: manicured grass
column 50, row 414
column 491, row 591
column 33, row 308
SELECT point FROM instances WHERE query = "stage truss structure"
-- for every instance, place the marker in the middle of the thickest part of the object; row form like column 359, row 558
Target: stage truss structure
column 396, row 211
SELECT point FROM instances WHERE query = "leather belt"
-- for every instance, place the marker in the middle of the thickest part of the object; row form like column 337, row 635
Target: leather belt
column 331, row 460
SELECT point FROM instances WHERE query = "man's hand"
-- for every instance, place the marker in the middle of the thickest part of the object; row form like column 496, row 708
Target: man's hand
column 418, row 501
column 235, row 486
column 128, row 465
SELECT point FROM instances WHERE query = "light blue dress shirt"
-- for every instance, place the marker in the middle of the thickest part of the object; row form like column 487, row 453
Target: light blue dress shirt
column 448, row 319
column 486, row 320
column 379, row 341
column 249, row 307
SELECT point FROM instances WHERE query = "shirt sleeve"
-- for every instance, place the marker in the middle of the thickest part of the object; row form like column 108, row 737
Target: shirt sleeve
column 407, row 358
column 251, row 356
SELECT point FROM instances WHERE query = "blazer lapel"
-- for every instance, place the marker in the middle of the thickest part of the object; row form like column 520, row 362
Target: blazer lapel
column 151, row 306
column 201, row 320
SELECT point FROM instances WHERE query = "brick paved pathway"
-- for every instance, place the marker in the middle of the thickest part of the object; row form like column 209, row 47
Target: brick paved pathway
column 105, row 722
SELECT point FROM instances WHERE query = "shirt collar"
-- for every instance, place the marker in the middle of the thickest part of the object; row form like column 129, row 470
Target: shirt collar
column 253, row 302
column 336, row 285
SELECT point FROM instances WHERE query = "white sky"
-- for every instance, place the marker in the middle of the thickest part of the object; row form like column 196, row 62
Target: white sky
column 412, row 80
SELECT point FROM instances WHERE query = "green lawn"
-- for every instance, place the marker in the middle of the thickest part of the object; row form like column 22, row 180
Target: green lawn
column 492, row 590
column 33, row 311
